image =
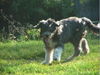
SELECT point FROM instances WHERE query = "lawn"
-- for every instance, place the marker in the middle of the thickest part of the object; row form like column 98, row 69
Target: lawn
column 24, row 58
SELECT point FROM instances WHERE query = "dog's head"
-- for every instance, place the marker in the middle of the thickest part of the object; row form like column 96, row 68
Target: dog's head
column 47, row 28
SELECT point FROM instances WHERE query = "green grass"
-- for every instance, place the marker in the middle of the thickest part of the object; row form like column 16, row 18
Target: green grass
column 24, row 58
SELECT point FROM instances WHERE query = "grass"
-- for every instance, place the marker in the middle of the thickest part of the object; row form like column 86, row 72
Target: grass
column 24, row 58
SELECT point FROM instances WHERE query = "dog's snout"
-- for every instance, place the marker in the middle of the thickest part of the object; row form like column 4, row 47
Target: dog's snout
column 46, row 35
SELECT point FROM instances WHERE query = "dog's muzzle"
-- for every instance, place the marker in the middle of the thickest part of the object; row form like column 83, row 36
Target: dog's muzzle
column 45, row 35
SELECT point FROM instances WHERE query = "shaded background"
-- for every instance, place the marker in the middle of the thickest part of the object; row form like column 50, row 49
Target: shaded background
column 17, row 15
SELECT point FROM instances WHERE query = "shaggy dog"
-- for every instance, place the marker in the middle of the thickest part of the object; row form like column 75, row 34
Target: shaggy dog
column 56, row 33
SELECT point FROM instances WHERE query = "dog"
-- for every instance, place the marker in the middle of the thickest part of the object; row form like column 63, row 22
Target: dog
column 56, row 33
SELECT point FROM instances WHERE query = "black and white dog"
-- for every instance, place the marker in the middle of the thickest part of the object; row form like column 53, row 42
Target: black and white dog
column 56, row 33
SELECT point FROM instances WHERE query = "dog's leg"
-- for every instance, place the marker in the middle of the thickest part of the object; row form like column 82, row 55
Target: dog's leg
column 76, row 53
column 48, row 56
column 57, row 53
column 84, row 45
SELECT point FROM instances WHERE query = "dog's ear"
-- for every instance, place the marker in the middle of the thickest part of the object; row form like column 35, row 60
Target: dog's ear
column 36, row 26
column 39, row 25
column 55, row 24
column 52, row 21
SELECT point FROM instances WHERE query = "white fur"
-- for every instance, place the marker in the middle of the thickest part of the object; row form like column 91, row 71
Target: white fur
column 80, row 20
column 98, row 25
column 60, row 29
column 44, row 21
column 48, row 57
column 86, row 46
column 49, row 53
column 57, row 53
column 58, row 22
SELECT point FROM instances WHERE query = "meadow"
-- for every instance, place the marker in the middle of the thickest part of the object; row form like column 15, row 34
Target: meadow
column 24, row 58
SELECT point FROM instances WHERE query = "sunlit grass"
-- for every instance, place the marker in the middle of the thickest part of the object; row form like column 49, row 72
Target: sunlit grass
column 24, row 58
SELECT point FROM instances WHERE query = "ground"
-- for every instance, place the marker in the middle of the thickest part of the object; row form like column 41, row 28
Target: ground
column 24, row 58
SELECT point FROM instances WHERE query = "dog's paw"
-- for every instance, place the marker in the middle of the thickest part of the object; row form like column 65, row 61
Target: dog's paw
column 44, row 62
column 56, row 59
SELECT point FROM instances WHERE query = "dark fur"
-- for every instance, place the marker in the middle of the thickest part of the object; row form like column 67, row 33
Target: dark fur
column 71, row 30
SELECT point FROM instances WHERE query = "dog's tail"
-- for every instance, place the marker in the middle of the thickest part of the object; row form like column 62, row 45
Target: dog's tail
column 90, row 25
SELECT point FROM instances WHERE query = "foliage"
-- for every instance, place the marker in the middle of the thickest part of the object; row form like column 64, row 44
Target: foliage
column 44, row 9
column 33, row 34
column 16, row 14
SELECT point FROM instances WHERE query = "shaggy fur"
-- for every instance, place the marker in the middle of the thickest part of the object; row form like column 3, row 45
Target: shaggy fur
column 56, row 33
